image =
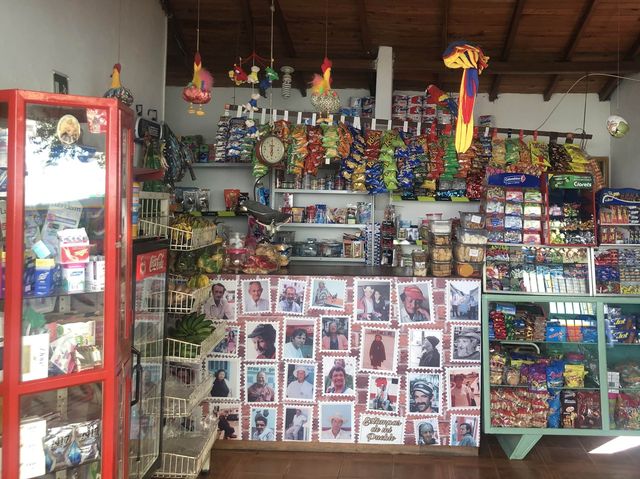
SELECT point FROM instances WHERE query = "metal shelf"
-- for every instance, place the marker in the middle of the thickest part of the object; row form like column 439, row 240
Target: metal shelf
column 320, row 192
column 181, row 403
column 619, row 224
column 190, row 353
column 222, row 164
column 310, row 259
column 322, row 225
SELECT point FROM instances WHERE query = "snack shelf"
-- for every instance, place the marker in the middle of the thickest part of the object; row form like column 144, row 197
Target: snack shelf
column 619, row 224
column 524, row 386
column 320, row 192
column 322, row 225
column 180, row 239
column 179, row 302
column 222, row 164
column 58, row 292
column 179, row 459
column 191, row 353
column 180, row 403
column 309, row 259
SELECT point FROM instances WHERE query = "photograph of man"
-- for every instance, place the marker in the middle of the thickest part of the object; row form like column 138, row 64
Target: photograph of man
column 463, row 300
column 290, row 303
column 426, row 434
column 338, row 377
column 225, row 425
column 294, row 426
column 430, row 357
column 217, row 306
column 377, row 354
column 461, row 394
column 328, row 293
column 373, row 301
column 260, row 391
column 466, row 344
column 261, row 430
column 335, row 423
column 332, row 337
column 464, row 436
column 301, row 386
column 253, row 302
column 414, row 305
column 263, row 337
column 299, row 339
column 421, row 397
column 221, row 387
column 348, row 364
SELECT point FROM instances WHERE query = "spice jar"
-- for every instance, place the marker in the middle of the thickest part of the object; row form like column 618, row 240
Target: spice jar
column 419, row 262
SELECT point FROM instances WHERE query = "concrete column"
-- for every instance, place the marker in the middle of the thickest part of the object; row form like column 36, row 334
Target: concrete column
column 384, row 82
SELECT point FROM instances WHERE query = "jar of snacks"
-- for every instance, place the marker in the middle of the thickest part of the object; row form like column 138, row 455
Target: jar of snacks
column 440, row 239
column 309, row 248
column 441, row 268
column 419, row 262
column 469, row 270
column 441, row 253
column 469, row 253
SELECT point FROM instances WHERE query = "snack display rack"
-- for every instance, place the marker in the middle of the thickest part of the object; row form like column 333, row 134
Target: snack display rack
column 180, row 239
column 183, row 352
column 181, row 398
column 68, row 159
column 180, row 302
column 586, row 333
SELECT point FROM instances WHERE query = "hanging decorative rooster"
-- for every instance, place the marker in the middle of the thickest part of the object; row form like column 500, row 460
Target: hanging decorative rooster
column 198, row 90
column 323, row 98
column 117, row 90
column 472, row 60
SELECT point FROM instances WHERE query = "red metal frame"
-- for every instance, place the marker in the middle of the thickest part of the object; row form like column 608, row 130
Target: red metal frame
column 116, row 352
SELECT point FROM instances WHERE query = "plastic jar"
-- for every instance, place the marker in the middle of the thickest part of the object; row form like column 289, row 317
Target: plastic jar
column 419, row 262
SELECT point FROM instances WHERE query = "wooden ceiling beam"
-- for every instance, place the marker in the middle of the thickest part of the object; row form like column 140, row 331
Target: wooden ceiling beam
column 612, row 83
column 365, row 33
column 570, row 49
column 298, row 76
column 444, row 33
column 178, row 38
column 508, row 44
column 247, row 18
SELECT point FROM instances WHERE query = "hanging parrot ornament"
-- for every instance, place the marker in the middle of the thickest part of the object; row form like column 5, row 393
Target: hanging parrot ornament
column 473, row 61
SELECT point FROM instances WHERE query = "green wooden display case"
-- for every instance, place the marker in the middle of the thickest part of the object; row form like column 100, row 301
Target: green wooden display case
column 517, row 442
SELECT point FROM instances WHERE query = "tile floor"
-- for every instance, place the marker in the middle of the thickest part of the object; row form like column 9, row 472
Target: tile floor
column 554, row 457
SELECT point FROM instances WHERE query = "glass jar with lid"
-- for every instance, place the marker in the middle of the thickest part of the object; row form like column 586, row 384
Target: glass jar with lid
column 419, row 262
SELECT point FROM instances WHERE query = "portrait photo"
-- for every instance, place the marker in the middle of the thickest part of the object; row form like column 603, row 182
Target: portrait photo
column 263, row 424
column 464, row 431
column 339, row 375
column 228, row 416
column 328, row 294
column 261, row 341
column 335, row 333
column 463, row 388
column 226, row 377
column 423, row 393
column 463, row 298
column 336, row 422
column 300, row 382
column 379, row 350
column 291, row 295
column 221, row 303
column 256, row 296
column 229, row 344
column 466, row 342
column 373, row 299
column 261, row 383
column 415, row 302
column 382, row 393
column 427, row 431
column 425, row 348
column 297, row 423
column 299, row 338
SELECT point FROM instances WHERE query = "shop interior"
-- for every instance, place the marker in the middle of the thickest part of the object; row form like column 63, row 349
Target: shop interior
column 262, row 239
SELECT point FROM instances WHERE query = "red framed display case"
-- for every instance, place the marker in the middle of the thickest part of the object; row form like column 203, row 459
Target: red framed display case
column 66, row 386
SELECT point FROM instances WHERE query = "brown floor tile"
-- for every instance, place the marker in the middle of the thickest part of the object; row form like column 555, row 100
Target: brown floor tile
column 367, row 466
column 417, row 470
column 573, row 471
column 563, row 455
column 485, row 471
column 523, row 470
column 271, row 462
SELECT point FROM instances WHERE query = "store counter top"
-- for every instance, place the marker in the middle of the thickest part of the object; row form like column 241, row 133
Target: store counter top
column 344, row 270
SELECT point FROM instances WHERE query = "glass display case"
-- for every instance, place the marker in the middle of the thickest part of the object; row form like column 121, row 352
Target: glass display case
column 65, row 163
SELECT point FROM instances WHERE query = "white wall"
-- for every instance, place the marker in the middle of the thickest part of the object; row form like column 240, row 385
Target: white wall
column 80, row 39
column 510, row 110
column 625, row 156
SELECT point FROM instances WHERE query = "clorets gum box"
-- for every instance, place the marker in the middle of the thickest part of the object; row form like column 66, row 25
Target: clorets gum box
column 74, row 246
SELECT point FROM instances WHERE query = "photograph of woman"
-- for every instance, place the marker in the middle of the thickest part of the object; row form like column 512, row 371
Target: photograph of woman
column 380, row 306
column 333, row 338
column 377, row 353
column 221, row 387
column 372, row 300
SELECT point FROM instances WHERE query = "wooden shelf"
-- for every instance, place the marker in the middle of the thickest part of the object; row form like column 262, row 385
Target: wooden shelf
column 222, row 164
column 147, row 174
column 322, row 225
column 320, row 192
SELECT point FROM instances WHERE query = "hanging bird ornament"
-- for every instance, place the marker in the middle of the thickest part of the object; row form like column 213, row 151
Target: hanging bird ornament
column 117, row 90
column 198, row 90
column 324, row 99
column 471, row 59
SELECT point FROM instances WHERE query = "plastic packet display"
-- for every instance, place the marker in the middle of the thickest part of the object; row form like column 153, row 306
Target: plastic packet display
column 627, row 411
column 72, row 445
column 589, row 416
column 513, row 222
column 494, row 207
column 513, row 209
column 574, row 375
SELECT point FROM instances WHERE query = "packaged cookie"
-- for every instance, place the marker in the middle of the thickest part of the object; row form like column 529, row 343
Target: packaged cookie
column 513, row 209
column 532, row 196
column 514, row 196
column 513, row 222
column 532, row 210
column 494, row 207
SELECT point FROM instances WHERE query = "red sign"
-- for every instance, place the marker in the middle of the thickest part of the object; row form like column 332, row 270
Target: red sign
column 151, row 264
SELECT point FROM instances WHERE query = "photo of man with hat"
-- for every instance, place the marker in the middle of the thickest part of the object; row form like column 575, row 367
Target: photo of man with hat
column 264, row 341
column 414, row 303
column 300, row 387
column 466, row 344
column 422, row 393
column 430, row 357
column 335, row 422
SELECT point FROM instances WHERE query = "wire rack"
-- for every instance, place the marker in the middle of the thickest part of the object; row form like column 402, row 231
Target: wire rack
column 185, row 389
column 192, row 353
column 181, row 302
column 179, row 239
column 185, row 456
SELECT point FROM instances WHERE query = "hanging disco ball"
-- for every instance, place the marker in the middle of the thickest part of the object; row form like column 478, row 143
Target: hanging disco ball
column 617, row 126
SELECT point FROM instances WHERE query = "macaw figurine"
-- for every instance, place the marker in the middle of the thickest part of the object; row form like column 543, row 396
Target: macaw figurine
column 238, row 75
column 436, row 96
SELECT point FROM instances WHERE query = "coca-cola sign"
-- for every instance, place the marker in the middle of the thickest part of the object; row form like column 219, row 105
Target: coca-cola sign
column 151, row 264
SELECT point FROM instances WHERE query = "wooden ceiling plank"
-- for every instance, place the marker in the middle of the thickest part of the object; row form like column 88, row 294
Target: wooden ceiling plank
column 178, row 37
column 612, row 83
column 247, row 18
column 581, row 26
column 444, row 33
column 508, row 44
column 365, row 32
column 289, row 46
